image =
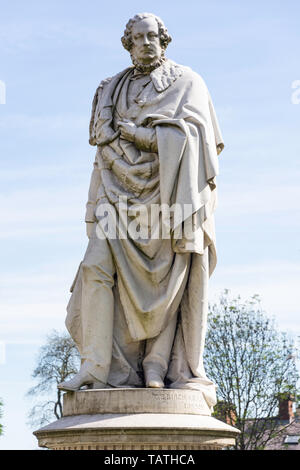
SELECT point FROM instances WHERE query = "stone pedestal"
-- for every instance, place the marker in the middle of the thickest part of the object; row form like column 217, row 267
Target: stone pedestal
column 136, row 419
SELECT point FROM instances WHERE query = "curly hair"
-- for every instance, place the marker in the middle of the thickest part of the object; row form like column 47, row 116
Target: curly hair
column 164, row 36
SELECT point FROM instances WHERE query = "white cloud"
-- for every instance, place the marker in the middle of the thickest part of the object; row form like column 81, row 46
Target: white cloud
column 43, row 125
column 210, row 37
column 42, row 172
column 51, row 203
column 23, row 35
column 30, row 322
column 276, row 282
column 267, row 195
column 50, row 208
column 40, row 232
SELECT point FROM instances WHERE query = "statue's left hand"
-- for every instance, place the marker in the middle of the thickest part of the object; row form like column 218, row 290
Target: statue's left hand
column 128, row 130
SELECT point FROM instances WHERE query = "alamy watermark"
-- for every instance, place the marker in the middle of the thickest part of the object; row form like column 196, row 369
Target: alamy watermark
column 295, row 98
column 2, row 92
column 142, row 221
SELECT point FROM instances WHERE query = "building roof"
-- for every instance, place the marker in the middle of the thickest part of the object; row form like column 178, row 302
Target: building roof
column 288, row 438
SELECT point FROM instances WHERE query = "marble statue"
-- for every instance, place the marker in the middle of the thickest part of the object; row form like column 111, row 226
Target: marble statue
column 139, row 302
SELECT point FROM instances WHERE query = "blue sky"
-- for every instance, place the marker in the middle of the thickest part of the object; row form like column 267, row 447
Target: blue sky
column 53, row 54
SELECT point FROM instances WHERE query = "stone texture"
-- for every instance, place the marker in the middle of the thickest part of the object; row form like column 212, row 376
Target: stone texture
column 138, row 309
column 137, row 431
column 135, row 401
column 185, row 429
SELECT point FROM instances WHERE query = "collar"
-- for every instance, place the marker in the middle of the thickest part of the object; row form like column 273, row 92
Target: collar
column 166, row 74
column 137, row 74
column 163, row 76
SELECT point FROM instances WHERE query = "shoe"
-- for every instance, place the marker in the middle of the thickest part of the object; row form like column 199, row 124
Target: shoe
column 82, row 378
column 153, row 379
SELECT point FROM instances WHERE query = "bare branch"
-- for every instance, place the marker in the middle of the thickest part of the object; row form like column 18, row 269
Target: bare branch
column 58, row 359
column 247, row 357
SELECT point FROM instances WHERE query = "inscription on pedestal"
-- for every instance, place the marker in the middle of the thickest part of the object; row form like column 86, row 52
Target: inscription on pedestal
column 184, row 400
column 135, row 401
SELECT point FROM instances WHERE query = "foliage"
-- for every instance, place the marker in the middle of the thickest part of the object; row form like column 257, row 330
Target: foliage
column 58, row 359
column 252, row 364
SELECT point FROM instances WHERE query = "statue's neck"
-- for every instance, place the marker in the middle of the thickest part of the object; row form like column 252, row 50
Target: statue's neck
column 147, row 68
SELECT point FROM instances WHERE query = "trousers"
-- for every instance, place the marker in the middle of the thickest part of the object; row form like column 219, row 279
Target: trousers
column 103, row 325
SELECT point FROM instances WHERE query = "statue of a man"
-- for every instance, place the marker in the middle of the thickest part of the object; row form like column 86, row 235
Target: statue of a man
column 139, row 303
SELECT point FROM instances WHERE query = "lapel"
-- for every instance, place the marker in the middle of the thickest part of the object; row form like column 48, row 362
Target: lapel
column 165, row 75
column 162, row 78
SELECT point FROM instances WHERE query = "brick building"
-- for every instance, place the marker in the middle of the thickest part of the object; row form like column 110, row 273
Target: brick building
column 289, row 427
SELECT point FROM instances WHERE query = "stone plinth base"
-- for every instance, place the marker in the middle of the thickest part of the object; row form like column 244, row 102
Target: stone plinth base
column 136, row 419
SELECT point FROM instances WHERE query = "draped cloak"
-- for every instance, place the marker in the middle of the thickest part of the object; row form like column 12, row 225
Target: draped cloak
column 158, row 278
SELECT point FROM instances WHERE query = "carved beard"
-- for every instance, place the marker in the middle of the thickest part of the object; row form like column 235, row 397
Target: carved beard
column 148, row 68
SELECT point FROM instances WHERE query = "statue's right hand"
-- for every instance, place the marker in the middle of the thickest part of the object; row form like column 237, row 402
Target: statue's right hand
column 116, row 147
column 89, row 228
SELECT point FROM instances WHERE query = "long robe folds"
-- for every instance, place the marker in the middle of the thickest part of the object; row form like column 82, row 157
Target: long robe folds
column 157, row 279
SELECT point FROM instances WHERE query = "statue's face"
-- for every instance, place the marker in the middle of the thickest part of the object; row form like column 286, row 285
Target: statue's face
column 146, row 46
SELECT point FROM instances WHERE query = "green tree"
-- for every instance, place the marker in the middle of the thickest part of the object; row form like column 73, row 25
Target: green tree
column 252, row 364
column 58, row 359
